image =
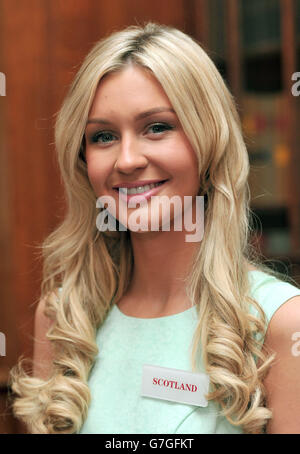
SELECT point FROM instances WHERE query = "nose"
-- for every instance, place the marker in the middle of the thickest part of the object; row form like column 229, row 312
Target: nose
column 130, row 155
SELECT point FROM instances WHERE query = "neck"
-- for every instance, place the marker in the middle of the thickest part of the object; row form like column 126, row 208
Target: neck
column 161, row 262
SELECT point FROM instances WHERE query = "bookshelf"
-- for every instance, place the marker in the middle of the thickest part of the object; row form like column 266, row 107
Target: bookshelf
column 256, row 46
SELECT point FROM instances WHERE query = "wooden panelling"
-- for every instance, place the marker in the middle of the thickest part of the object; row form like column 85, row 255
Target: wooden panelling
column 29, row 158
column 42, row 45
column 233, row 47
column 288, row 55
column 200, row 23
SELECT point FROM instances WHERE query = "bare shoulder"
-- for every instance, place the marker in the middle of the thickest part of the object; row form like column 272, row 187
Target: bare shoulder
column 43, row 354
column 282, row 382
column 285, row 320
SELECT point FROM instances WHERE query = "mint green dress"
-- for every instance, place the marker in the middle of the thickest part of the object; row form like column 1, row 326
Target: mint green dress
column 126, row 343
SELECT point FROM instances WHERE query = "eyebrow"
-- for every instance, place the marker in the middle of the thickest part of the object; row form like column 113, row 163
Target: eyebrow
column 141, row 115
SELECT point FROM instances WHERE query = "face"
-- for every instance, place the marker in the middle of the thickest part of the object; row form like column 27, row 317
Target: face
column 133, row 138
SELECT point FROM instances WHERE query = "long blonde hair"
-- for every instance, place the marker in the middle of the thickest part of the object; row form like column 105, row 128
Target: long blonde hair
column 94, row 268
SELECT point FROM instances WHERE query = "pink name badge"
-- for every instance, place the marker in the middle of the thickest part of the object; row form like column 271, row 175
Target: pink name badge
column 175, row 385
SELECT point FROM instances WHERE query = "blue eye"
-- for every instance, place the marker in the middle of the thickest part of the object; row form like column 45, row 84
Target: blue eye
column 105, row 137
column 161, row 127
column 101, row 135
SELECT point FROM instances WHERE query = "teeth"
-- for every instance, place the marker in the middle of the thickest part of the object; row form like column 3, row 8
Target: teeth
column 139, row 189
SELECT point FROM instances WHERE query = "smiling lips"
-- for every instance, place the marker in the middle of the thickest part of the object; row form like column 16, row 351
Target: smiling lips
column 140, row 189
column 136, row 183
column 128, row 191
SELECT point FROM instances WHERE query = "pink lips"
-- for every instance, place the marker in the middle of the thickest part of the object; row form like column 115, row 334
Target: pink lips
column 136, row 183
column 142, row 196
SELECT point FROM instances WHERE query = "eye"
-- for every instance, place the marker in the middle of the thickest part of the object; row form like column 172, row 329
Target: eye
column 159, row 128
column 102, row 137
column 106, row 137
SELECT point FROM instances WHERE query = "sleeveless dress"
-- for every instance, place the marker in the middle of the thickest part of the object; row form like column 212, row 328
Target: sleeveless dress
column 127, row 343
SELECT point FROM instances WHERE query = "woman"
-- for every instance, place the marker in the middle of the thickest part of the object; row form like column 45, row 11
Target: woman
column 148, row 106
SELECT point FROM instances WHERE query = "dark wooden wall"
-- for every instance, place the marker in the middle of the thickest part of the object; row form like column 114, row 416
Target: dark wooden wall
column 42, row 43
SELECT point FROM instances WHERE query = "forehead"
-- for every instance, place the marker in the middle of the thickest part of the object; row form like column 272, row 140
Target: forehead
column 132, row 87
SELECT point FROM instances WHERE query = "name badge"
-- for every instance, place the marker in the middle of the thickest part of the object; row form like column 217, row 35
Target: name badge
column 175, row 385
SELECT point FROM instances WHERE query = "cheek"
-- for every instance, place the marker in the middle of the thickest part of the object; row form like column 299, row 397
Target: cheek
column 92, row 174
column 96, row 174
column 184, row 164
column 190, row 165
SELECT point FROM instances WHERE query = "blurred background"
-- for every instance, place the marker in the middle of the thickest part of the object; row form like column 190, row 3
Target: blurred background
column 255, row 45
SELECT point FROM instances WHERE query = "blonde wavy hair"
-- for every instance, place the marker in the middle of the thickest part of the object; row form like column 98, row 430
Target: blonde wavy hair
column 94, row 268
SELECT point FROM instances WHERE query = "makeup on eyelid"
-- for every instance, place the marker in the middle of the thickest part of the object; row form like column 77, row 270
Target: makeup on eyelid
column 94, row 136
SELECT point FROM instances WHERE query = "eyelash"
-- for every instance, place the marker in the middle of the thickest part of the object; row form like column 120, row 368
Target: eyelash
column 95, row 137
